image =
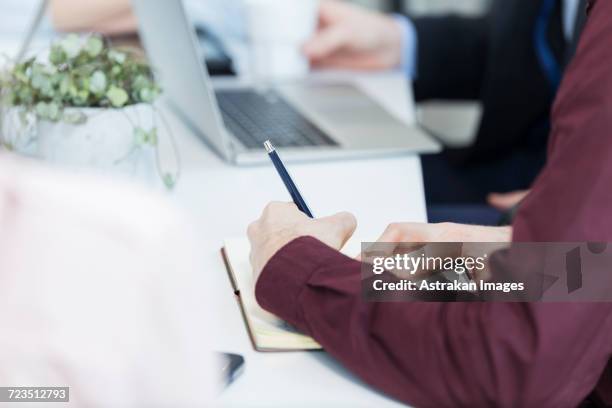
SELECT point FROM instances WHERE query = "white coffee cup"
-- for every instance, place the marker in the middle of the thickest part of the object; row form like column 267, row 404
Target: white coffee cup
column 277, row 30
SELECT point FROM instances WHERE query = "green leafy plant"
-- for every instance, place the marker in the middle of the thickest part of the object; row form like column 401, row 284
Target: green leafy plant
column 83, row 72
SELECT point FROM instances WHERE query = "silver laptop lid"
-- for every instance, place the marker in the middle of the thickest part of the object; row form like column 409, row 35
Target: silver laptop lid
column 172, row 47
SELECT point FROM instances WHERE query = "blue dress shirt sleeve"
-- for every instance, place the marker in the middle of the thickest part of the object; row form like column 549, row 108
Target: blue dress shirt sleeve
column 409, row 46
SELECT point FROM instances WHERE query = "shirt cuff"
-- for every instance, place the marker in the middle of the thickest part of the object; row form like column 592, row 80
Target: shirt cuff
column 286, row 275
column 409, row 56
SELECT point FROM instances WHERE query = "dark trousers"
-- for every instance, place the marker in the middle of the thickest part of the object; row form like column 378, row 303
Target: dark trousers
column 458, row 193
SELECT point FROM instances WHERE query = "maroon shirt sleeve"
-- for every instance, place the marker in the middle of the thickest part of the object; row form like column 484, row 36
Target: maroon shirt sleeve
column 572, row 198
column 480, row 354
column 439, row 354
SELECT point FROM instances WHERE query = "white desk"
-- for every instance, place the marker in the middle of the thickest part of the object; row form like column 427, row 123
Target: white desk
column 224, row 199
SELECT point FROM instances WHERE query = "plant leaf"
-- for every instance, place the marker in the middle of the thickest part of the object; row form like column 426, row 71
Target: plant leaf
column 57, row 55
column 146, row 95
column 97, row 82
column 169, row 181
column 42, row 110
column 140, row 136
column 153, row 137
column 65, row 84
column 117, row 56
column 38, row 80
column 74, row 117
column 117, row 96
column 94, row 46
column 54, row 111
column 71, row 45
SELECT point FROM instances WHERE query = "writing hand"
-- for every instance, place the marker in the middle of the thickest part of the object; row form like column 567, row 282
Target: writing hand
column 281, row 223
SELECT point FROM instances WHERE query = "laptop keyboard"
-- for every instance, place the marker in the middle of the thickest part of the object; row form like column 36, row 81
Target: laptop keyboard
column 255, row 117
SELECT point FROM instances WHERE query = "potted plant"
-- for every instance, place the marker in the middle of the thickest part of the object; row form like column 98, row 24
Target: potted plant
column 86, row 103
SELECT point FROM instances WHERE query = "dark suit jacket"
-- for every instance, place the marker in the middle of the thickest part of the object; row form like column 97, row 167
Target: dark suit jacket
column 492, row 59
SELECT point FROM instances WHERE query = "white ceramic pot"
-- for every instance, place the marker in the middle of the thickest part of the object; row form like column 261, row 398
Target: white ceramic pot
column 104, row 143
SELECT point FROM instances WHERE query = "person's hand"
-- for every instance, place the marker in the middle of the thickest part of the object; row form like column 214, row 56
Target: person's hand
column 462, row 239
column 505, row 201
column 352, row 37
column 412, row 235
column 444, row 232
column 281, row 223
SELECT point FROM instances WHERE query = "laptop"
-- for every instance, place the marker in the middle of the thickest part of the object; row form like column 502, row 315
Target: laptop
column 307, row 119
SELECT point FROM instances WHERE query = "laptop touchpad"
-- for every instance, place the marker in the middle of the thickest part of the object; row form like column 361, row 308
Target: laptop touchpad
column 336, row 104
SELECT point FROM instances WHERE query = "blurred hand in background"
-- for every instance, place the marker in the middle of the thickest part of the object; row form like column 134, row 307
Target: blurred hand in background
column 106, row 17
column 351, row 37
column 505, row 201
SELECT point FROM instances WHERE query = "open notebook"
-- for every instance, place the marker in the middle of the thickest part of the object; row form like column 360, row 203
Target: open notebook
column 267, row 332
